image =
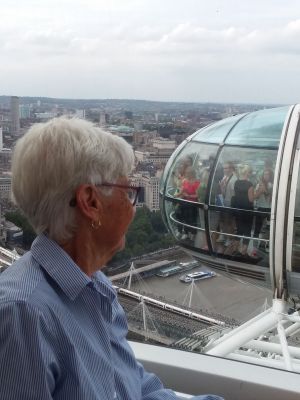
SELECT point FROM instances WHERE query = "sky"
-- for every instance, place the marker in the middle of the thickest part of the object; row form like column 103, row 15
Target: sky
column 168, row 50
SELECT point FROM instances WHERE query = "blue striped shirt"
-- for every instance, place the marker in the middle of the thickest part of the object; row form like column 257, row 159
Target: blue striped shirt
column 63, row 334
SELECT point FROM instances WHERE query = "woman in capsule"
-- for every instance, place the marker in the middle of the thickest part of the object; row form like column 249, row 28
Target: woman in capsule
column 62, row 331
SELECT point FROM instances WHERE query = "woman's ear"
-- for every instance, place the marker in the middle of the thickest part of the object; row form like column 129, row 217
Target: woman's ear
column 88, row 201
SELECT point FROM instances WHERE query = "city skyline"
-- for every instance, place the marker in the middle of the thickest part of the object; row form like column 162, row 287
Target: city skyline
column 189, row 51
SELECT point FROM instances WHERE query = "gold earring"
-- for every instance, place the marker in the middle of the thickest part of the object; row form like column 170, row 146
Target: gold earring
column 96, row 225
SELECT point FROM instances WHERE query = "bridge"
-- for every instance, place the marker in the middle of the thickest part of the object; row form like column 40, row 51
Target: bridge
column 163, row 326
column 143, row 271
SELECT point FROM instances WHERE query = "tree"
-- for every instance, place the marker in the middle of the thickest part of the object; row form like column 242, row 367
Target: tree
column 17, row 218
column 147, row 233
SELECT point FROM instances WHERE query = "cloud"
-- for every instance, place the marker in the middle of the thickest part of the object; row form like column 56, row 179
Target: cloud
column 188, row 38
column 164, row 49
column 48, row 38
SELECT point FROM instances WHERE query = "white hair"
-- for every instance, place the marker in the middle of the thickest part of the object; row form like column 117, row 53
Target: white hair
column 52, row 159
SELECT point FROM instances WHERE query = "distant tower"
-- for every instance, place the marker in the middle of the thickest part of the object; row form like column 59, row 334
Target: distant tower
column 102, row 119
column 80, row 113
column 1, row 139
column 15, row 115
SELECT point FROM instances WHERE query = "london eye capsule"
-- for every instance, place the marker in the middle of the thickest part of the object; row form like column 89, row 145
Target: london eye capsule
column 230, row 195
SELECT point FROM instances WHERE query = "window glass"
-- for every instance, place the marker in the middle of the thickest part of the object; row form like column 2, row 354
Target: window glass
column 262, row 128
column 187, row 224
column 169, row 163
column 241, row 192
column 217, row 132
column 190, row 172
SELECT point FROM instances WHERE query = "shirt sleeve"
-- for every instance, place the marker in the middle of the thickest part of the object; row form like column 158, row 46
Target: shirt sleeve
column 28, row 366
column 152, row 389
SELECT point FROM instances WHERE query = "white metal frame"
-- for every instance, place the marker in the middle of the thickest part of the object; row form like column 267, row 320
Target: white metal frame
column 279, row 202
column 263, row 340
column 196, row 374
column 291, row 213
column 292, row 200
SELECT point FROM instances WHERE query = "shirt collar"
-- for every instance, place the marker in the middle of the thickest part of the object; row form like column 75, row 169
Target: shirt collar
column 104, row 286
column 65, row 272
column 59, row 265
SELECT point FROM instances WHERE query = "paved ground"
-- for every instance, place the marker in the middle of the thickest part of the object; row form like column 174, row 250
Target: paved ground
column 233, row 297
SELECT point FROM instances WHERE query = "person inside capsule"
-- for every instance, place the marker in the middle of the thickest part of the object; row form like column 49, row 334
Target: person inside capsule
column 243, row 198
column 227, row 221
column 263, row 197
column 63, row 331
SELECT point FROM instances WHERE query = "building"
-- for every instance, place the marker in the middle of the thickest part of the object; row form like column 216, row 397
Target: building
column 1, row 138
column 137, row 180
column 149, row 195
column 25, row 111
column 164, row 146
column 158, row 151
column 44, row 116
column 5, row 187
column 150, row 165
column 142, row 139
column 5, row 159
column 15, row 116
column 159, row 160
column 80, row 114
column 151, row 189
column 102, row 119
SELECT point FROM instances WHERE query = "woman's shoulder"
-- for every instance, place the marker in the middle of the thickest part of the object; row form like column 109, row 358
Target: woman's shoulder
column 246, row 183
column 238, row 182
column 242, row 184
column 20, row 280
column 184, row 181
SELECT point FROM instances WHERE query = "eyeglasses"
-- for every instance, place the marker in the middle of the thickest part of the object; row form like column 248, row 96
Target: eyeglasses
column 132, row 192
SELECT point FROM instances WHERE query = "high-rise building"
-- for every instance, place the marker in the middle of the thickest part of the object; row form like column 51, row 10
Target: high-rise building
column 14, row 116
column 25, row 111
column 102, row 119
column 80, row 114
column 5, row 159
column 149, row 195
column 151, row 187
column 1, row 138
column 5, row 187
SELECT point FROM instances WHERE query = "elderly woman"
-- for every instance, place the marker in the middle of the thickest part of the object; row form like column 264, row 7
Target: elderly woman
column 62, row 331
